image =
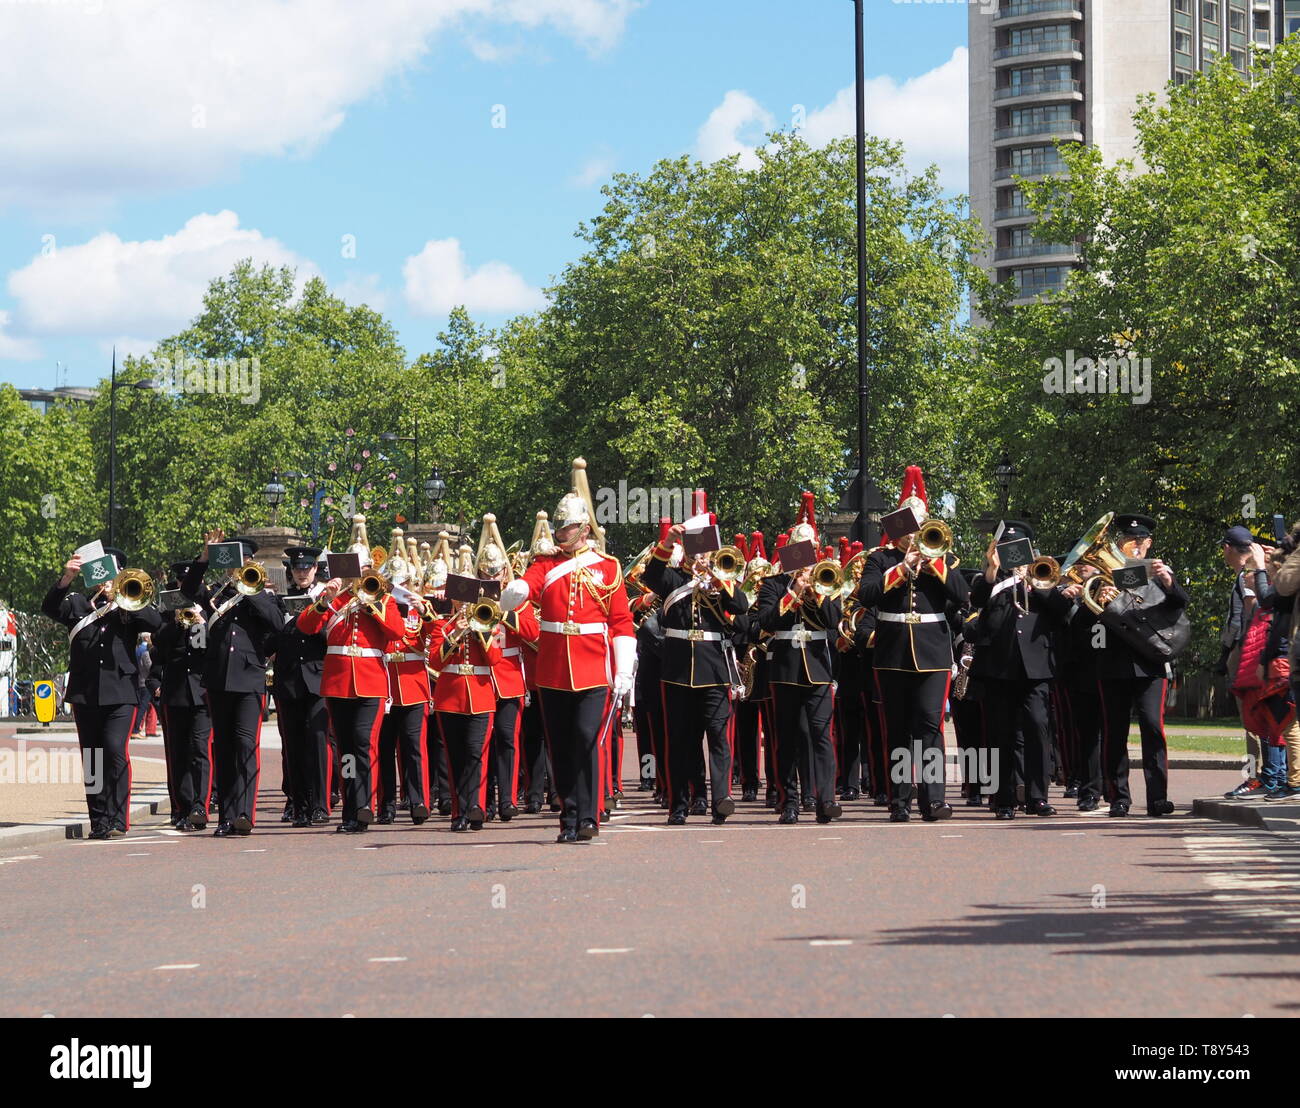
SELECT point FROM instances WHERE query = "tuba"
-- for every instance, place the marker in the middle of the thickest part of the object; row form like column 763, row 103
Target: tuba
column 132, row 590
column 1097, row 550
column 250, row 579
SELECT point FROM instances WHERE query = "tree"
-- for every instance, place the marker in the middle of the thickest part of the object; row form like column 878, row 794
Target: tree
column 1193, row 267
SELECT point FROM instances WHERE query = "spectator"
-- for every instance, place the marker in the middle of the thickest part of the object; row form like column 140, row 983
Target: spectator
column 1243, row 555
column 141, row 685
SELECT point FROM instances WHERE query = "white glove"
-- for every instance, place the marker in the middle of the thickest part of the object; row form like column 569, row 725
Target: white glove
column 513, row 594
column 624, row 664
column 622, row 685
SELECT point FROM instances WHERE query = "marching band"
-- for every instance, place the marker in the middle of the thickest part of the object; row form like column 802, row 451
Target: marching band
column 428, row 681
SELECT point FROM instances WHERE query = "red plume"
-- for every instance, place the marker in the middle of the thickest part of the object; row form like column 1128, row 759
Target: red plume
column 756, row 547
column 914, row 485
column 699, row 502
column 844, row 549
column 739, row 542
column 713, row 519
column 665, row 525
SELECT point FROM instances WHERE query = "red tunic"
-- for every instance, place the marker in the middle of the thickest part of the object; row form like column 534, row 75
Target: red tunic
column 464, row 682
column 518, row 628
column 588, row 600
column 408, row 679
column 360, row 671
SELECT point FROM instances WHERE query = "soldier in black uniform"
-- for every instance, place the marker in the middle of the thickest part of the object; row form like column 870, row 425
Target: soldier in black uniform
column 1131, row 681
column 698, row 671
column 913, row 661
column 187, row 728
column 241, row 632
column 304, row 720
column 802, row 625
column 1015, row 667
column 101, row 689
column 648, row 705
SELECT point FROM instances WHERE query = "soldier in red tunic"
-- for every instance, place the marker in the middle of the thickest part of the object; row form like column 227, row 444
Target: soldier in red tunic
column 586, row 646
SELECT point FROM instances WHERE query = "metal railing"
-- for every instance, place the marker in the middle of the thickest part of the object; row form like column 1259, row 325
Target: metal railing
column 1032, row 169
column 1042, row 46
column 1037, row 7
column 1042, row 127
column 1034, row 250
column 1035, row 88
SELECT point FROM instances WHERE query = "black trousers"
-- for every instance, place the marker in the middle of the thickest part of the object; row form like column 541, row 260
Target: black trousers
column 802, row 714
column 237, row 751
column 356, row 721
column 187, row 744
column 1119, row 699
column 1081, row 712
column 693, row 716
column 573, row 722
column 748, row 723
column 304, row 733
column 1011, row 707
column 647, row 716
column 465, row 738
column 503, row 750
column 104, row 730
column 912, row 710
column 850, row 732
column 536, row 767
column 401, row 741
column 972, row 742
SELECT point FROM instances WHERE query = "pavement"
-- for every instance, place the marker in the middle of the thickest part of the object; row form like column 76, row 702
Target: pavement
column 1073, row 915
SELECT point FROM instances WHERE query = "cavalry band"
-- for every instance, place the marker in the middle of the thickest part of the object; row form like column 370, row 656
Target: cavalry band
column 476, row 685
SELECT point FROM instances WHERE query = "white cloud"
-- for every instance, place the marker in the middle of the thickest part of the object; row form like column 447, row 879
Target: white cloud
column 99, row 99
column 595, row 170
column 362, row 290
column 438, row 279
column 927, row 113
column 150, row 288
column 18, row 350
column 720, row 136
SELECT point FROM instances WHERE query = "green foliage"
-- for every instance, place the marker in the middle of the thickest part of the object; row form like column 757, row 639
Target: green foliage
column 1193, row 262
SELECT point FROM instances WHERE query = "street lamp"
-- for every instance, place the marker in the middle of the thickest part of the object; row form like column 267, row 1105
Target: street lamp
column 273, row 494
column 434, row 490
column 1004, row 473
column 148, row 384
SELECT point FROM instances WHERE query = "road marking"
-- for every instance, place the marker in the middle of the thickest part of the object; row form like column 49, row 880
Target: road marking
column 367, row 848
column 179, row 965
column 396, row 959
column 609, row 950
column 709, row 840
column 254, row 850
column 950, row 836
column 171, row 831
column 483, row 846
column 129, row 842
column 837, row 839
column 144, row 855
column 1063, row 934
column 1074, row 832
column 19, row 858
column 830, row 942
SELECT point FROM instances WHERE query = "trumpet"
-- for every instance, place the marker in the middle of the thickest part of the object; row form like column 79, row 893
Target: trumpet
column 132, row 590
column 934, row 539
column 1044, row 572
column 250, row 579
column 370, row 587
column 188, row 617
column 827, row 578
column 728, row 564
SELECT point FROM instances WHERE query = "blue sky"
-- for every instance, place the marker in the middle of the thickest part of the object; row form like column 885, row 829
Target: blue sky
column 147, row 144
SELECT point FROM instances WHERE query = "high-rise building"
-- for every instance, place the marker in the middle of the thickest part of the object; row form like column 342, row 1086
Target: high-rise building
column 1048, row 71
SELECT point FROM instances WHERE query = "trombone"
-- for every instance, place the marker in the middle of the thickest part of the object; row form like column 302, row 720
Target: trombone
column 728, row 564
column 1044, row 572
column 132, row 590
column 934, row 539
column 484, row 614
column 250, row 579
column 827, row 578
column 370, row 586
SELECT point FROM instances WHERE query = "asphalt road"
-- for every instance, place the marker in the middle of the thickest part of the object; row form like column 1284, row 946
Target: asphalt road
column 1073, row 915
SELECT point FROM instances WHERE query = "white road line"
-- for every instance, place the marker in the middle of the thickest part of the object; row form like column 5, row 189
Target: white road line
column 144, row 855
column 179, row 965
column 830, row 942
column 19, row 858
column 710, row 840
column 1063, row 934
column 253, row 850
column 396, row 959
column 609, row 950
column 1074, row 832
column 950, row 836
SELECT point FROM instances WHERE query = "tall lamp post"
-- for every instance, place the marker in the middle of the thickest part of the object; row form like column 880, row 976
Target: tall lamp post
column 869, row 503
column 148, row 384
column 435, row 488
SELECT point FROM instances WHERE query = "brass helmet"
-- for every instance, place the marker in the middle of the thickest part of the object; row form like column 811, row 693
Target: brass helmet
column 492, row 558
column 542, row 542
column 358, row 541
